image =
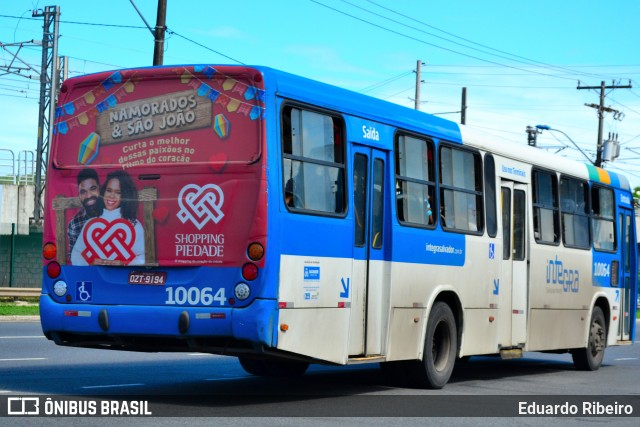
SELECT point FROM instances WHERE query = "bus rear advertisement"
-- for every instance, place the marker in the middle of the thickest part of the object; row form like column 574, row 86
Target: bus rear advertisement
column 250, row 212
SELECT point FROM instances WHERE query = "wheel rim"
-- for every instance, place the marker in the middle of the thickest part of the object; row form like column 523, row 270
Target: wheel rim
column 597, row 338
column 441, row 346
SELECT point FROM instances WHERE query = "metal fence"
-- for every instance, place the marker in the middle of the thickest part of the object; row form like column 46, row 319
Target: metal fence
column 20, row 169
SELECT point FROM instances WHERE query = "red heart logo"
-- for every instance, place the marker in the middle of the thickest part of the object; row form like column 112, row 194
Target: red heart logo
column 161, row 214
column 217, row 162
column 106, row 240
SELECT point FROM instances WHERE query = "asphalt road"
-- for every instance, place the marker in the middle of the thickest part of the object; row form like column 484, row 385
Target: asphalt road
column 202, row 385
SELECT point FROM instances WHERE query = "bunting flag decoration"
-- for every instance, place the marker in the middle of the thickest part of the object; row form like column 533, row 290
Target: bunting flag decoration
column 206, row 70
column 233, row 105
column 62, row 128
column 83, row 118
column 250, row 93
column 88, row 98
column 114, row 88
column 229, row 84
column 80, row 104
column 256, row 113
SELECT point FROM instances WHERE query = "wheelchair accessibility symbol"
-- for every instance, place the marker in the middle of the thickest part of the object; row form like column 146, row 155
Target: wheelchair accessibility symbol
column 84, row 291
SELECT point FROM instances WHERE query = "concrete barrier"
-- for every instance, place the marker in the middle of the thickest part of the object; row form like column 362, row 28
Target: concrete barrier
column 20, row 292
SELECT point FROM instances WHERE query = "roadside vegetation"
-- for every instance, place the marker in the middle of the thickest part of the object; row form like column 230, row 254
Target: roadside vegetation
column 23, row 306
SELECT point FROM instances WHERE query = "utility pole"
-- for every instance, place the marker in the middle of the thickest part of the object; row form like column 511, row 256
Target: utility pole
column 48, row 93
column 601, row 110
column 161, row 20
column 419, row 82
column 158, row 31
column 463, row 107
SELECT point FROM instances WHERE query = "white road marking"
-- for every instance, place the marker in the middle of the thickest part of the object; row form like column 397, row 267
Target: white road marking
column 23, row 359
column 226, row 378
column 23, row 336
column 113, row 385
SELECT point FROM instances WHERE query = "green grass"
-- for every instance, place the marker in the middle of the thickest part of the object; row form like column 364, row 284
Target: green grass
column 27, row 306
column 18, row 310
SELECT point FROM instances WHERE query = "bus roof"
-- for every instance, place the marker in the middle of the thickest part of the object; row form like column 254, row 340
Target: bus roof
column 542, row 158
column 335, row 98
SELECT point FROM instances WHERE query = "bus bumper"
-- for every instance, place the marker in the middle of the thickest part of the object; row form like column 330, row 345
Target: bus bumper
column 77, row 324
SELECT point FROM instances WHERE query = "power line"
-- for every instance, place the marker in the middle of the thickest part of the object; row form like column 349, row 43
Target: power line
column 136, row 27
column 529, row 61
column 521, row 59
column 95, row 24
column 476, row 43
column 385, row 82
column 205, row 47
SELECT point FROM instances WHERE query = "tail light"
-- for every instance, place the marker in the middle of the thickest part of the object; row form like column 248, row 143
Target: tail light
column 49, row 251
column 249, row 271
column 53, row 269
column 255, row 251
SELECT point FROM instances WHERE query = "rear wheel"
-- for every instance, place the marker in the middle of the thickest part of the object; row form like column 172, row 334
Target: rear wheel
column 590, row 357
column 440, row 347
column 273, row 368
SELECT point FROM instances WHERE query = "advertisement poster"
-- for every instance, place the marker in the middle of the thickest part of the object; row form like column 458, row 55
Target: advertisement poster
column 158, row 166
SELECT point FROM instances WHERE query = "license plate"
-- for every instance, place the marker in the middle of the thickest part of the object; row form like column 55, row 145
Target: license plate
column 147, row 278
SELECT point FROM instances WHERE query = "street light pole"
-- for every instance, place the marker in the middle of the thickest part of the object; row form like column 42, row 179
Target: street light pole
column 546, row 127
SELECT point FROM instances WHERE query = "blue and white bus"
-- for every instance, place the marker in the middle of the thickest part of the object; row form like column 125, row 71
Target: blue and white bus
column 249, row 212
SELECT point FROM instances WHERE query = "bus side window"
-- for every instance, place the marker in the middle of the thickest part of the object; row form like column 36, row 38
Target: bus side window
column 313, row 161
column 461, row 189
column 490, row 195
column 603, row 219
column 545, row 207
column 574, row 196
column 415, row 181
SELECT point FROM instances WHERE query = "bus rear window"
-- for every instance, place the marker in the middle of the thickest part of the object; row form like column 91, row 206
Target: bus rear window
column 151, row 117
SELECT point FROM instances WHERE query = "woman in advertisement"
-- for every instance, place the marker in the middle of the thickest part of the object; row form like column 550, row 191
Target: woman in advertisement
column 116, row 237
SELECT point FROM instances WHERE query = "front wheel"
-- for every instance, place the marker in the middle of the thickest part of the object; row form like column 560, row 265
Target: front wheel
column 590, row 357
column 440, row 347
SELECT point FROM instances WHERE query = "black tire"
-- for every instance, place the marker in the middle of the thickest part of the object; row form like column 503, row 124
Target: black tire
column 590, row 357
column 440, row 348
column 463, row 360
column 273, row 368
column 394, row 373
column 253, row 366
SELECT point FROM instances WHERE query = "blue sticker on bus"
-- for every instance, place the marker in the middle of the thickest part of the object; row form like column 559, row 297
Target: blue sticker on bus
column 84, row 290
column 311, row 274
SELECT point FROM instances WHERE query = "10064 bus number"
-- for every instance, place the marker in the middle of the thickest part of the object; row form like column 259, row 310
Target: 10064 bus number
column 194, row 296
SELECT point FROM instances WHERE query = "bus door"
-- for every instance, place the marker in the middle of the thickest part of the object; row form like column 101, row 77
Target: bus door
column 370, row 286
column 514, row 270
column 627, row 266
